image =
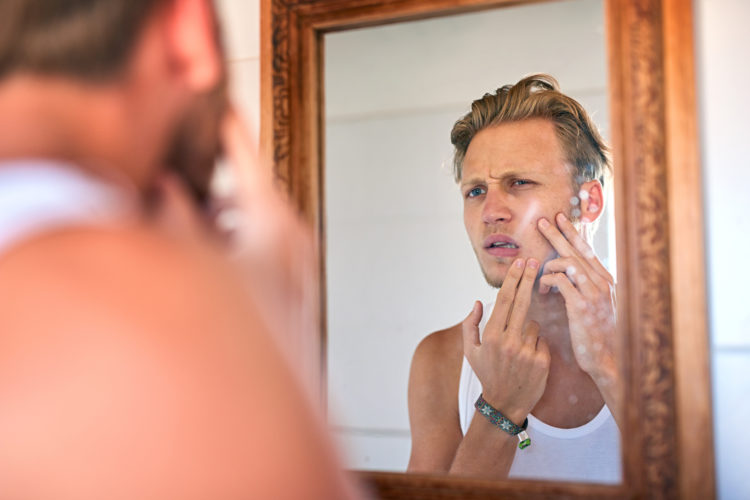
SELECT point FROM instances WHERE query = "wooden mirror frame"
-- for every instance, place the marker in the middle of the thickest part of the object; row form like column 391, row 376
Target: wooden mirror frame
column 668, row 439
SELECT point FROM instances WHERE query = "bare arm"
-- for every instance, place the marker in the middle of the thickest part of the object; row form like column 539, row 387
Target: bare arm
column 511, row 362
column 133, row 367
column 438, row 445
column 433, row 401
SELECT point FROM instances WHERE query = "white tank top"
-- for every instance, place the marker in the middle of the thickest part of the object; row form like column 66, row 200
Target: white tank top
column 41, row 195
column 589, row 453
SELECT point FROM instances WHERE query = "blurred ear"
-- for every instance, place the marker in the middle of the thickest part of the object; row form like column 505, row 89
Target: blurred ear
column 192, row 43
column 592, row 200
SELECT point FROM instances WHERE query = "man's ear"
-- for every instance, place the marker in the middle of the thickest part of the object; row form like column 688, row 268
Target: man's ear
column 192, row 43
column 592, row 200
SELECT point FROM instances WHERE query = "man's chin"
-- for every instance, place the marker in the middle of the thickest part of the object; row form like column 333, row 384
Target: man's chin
column 494, row 279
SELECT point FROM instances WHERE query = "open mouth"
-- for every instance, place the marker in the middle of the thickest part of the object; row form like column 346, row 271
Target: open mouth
column 499, row 240
column 503, row 244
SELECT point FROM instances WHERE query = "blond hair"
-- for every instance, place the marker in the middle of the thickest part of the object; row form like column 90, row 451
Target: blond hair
column 538, row 96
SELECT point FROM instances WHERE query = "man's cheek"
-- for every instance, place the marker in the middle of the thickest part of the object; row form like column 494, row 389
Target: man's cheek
column 526, row 221
column 531, row 214
column 538, row 245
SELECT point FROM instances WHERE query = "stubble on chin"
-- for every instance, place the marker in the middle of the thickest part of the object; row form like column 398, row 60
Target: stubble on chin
column 494, row 282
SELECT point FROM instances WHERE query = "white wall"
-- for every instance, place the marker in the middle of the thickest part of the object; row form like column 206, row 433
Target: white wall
column 724, row 73
column 399, row 263
column 241, row 29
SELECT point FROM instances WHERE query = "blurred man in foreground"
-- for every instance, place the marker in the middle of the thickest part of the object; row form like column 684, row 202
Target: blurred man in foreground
column 133, row 363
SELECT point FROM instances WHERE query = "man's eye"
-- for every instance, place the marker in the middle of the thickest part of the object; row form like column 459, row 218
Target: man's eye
column 521, row 182
column 475, row 192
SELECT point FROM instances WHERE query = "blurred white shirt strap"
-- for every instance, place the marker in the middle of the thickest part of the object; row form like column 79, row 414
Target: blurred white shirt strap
column 42, row 195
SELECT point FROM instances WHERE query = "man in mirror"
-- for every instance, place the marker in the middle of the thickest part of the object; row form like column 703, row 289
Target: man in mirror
column 528, row 386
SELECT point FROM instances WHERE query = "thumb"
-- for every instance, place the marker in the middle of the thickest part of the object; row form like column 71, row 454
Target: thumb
column 543, row 349
column 470, row 328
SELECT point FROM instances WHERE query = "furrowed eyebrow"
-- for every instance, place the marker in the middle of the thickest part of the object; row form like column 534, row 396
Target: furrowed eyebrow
column 472, row 182
column 511, row 175
column 504, row 177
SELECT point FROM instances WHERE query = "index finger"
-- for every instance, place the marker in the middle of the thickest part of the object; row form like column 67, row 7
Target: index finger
column 507, row 294
column 523, row 298
column 556, row 238
column 575, row 238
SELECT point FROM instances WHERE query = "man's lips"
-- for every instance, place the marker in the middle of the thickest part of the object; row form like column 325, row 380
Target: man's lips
column 501, row 245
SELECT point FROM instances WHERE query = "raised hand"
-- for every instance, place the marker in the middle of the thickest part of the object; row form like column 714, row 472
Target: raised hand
column 276, row 249
column 589, row 293
column 511, row 360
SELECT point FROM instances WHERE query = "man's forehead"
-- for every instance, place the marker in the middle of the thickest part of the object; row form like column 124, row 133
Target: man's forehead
column 496, row 167
column 515, row 168
column 527, row 146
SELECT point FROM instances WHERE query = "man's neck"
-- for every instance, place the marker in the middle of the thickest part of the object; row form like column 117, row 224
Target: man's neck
column 549, row 311
column 89, row 125
column 571, row 397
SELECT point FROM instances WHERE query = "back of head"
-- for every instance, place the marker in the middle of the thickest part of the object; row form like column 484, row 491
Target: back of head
column 538, row 96
column 89, row 39
column 94, row 41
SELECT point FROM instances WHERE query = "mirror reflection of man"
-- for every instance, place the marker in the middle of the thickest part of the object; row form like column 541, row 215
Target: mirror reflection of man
column 134, row 363
column 528, row 386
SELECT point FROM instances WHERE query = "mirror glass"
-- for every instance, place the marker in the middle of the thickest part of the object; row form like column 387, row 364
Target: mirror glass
column 399, row 264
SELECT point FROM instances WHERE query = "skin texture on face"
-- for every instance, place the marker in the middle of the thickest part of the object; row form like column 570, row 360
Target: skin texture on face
column 513, row 174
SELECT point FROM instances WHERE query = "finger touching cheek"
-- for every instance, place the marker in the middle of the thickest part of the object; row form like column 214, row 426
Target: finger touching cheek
column 559, row 281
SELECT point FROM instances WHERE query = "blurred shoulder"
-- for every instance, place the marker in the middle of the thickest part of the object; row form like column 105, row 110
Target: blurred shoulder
column 130, row 273
column 128, row 250
column 126, row 348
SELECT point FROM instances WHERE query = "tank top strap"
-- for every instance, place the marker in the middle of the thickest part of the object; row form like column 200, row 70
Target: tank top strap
column 41, row 195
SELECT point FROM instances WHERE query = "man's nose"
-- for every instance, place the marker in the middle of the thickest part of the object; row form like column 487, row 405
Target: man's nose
column 496, row 207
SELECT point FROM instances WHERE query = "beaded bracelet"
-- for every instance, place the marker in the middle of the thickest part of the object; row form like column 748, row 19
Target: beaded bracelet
column 499, row 420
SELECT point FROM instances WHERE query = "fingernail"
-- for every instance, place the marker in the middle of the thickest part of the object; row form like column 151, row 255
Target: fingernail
column 533, row 263
column 561, row 217
column 519, row 263
column 543, row 223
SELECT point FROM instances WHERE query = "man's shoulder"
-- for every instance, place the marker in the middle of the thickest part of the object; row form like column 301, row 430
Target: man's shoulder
column 118, row 248
column 129, row 339
column 109, row 266
column 442, row 343
column 440, row 353
column 434, row 382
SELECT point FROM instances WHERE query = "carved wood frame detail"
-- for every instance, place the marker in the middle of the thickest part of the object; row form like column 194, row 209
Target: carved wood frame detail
column 668, row 445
